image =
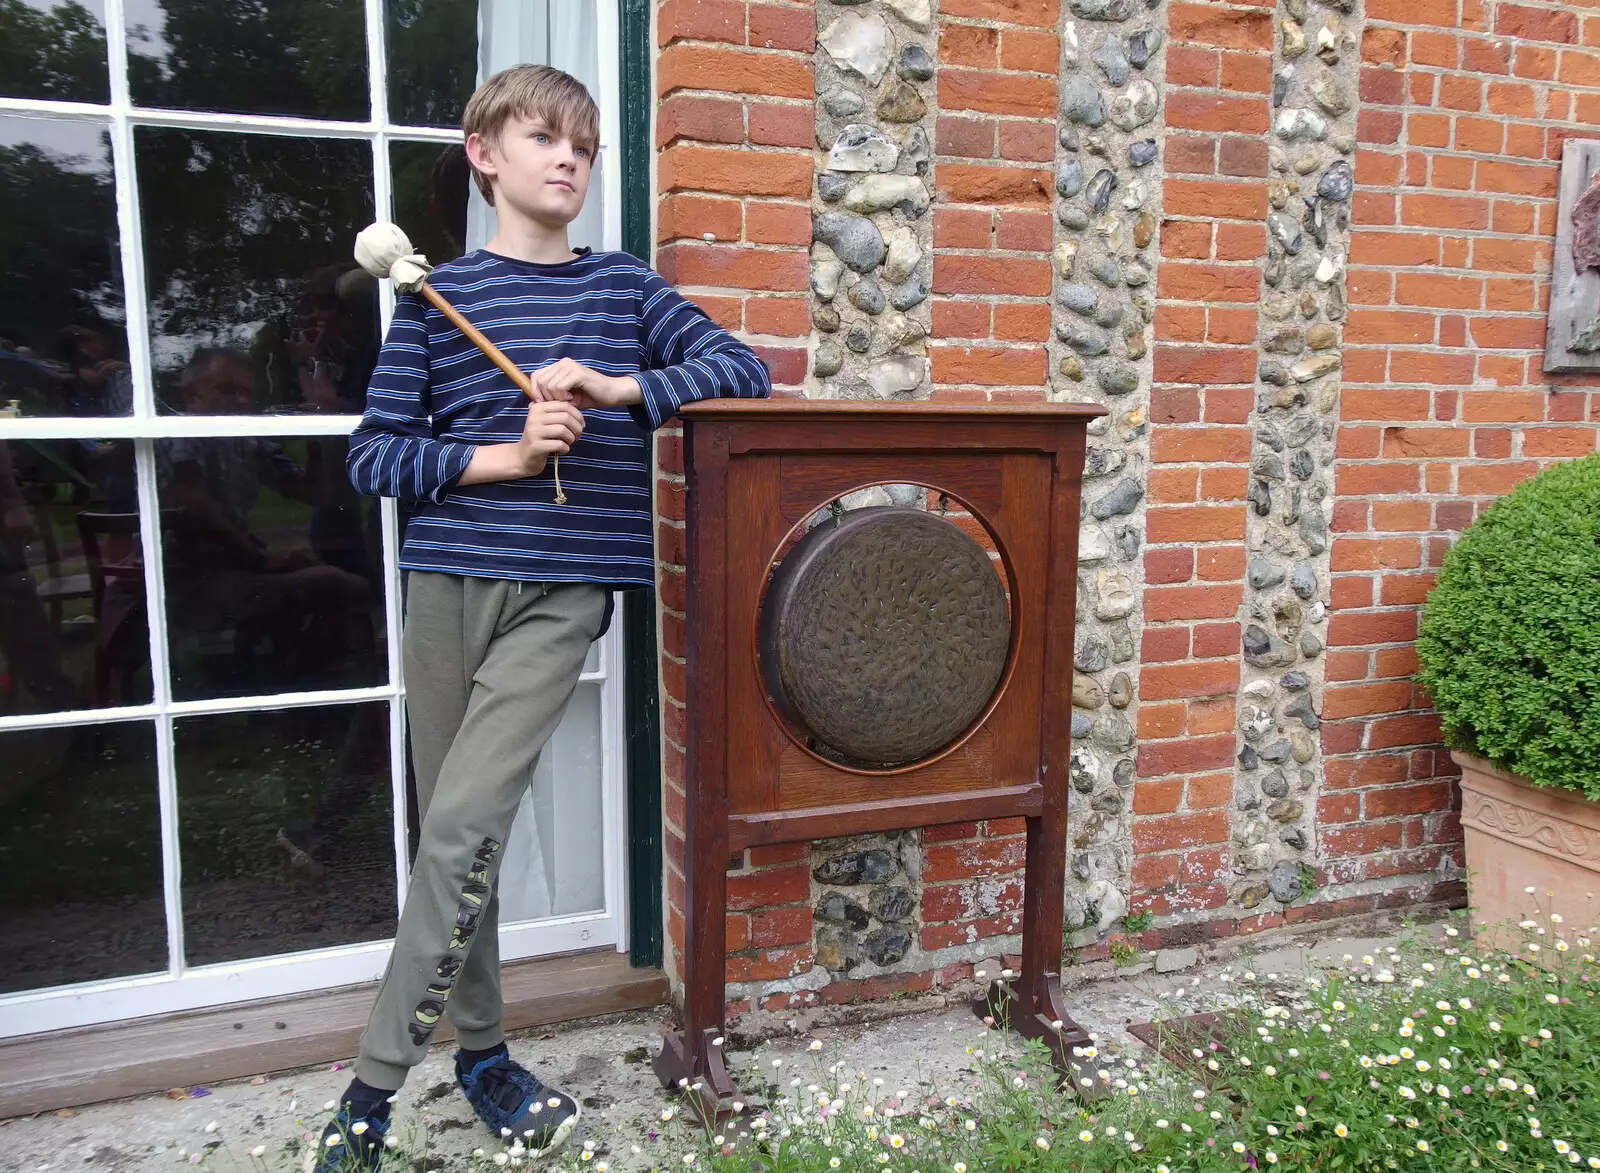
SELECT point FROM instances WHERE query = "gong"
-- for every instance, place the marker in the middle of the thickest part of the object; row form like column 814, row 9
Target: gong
column 884, row 672
column 884, row 635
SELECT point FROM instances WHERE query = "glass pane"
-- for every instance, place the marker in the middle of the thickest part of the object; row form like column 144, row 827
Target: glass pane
column 80, row 856
column 555, row 856
column 73, row 632
column 272, row 562
column 63, row 345
column 285, row 830
column 53, row 50
column 305, row 57
column 248, row 242
column 433, row 59
column 430, row 196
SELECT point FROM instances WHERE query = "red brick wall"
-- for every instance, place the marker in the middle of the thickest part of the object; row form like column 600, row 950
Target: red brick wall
column 1213, row 236
column 1465, row 104
column 734, row 131
column 993, row 147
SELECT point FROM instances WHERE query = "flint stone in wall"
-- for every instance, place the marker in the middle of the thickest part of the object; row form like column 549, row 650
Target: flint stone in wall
column 855, row 867
column 1137, row 106
column 916, row 13
column 859, row 43
column 878, row 193
column 854, row 240
column 915, row 63
column 1082, row 102
column 896, row 375
column 863, row 148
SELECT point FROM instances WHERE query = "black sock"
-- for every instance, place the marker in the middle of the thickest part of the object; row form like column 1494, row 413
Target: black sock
column 363, row 1101
column 467, row 1059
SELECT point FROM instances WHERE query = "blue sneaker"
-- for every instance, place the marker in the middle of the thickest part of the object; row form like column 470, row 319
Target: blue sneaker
column 351, row 1144
column 515, row 1105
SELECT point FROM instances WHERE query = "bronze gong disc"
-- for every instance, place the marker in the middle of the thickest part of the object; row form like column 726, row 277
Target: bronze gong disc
column 884, row 634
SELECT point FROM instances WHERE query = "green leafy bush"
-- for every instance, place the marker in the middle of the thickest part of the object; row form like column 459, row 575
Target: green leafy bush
column 1510, row 642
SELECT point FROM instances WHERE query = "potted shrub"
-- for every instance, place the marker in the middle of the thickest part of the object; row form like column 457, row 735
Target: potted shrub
column 1510, row 652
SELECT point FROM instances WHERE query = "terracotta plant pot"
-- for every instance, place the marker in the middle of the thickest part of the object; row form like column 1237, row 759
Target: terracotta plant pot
column 1520, row 836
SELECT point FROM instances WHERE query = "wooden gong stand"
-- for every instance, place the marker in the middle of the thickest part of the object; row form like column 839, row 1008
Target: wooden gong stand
column 756, row 470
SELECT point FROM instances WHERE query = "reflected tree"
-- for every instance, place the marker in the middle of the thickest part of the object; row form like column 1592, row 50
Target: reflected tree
column 58, row 249
column 294, row 57
column 433, row 60
column 52, row 53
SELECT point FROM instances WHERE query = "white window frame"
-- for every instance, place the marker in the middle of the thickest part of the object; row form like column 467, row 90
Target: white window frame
column 183, row 986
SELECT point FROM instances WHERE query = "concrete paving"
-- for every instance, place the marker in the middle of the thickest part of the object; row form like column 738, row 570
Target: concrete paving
column 605, row 1064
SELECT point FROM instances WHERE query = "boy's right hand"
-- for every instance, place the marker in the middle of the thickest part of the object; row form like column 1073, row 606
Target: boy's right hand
column 552, row 428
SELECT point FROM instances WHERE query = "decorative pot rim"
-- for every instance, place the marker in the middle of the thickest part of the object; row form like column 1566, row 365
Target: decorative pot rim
column 1562, row 823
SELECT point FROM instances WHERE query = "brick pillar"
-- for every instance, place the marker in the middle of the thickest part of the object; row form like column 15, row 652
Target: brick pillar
column 993, row 144
column 1212, row 242
column 734, row 132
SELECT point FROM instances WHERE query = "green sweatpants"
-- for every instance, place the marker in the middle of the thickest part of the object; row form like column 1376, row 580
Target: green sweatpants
column 489, row 666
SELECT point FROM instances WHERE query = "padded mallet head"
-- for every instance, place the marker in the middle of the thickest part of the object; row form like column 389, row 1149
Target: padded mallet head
column 385, row 251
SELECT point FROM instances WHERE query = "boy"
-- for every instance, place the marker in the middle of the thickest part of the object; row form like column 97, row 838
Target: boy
column 505, row 588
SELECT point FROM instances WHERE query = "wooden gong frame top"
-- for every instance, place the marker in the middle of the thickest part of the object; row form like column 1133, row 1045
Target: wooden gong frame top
column 755, row 471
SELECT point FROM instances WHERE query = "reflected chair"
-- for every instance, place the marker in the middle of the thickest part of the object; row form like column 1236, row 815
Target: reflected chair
column 55, row 589
column 116, row 567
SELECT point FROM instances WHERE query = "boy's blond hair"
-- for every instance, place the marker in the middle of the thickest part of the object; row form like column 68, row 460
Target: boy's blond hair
column 531, row 91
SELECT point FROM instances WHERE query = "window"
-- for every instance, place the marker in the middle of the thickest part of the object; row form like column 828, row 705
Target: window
column 202, row 752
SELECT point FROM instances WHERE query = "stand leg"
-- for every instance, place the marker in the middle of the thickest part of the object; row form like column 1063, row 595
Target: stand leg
column 1044, row 1018
column 698, row 1072
column 691, row 1059
column 1032, row 1005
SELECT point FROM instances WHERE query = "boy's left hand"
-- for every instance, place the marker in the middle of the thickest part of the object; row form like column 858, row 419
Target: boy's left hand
column 570, row 381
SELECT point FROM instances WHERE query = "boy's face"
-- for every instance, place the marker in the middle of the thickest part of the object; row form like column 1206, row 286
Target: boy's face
column 535, row 171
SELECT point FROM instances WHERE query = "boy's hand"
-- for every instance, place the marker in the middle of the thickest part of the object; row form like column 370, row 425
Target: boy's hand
column 570, row 381
column 552, row 429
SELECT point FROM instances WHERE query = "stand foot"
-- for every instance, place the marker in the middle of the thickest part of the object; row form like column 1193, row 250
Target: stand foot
column 701, row 1079
column 1008, row 1007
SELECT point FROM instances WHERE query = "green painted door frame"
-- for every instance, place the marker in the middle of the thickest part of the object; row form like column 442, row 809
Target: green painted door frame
column 642, row 710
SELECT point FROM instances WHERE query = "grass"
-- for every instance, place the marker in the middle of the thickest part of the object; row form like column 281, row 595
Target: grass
column 1429, row 1055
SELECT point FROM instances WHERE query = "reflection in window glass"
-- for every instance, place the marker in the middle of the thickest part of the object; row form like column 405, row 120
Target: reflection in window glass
column 80, row 856
column 431, row 181
column 73, row 631
column 285, row 831
column 293, row 57
column 248, row 243
column 433, row 60
column 272, row 562
column 53, row 49
column 63, row 346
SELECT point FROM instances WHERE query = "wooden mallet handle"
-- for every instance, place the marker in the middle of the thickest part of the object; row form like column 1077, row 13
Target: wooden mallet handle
column 385, row 251
column 476, row 337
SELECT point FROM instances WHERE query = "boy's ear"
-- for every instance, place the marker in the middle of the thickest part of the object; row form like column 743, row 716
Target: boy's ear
column 479, row 154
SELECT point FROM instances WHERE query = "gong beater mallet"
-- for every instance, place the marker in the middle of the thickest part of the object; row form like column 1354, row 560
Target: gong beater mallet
column 384, row 250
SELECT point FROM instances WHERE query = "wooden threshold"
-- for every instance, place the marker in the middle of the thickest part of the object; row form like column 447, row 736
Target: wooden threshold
column 86, row 1065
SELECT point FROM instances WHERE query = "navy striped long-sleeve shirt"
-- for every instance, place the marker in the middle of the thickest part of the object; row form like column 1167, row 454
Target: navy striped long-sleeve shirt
column 435, row 396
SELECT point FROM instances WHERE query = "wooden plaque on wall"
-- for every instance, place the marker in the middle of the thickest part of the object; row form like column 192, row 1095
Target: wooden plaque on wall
column 1574, row 295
